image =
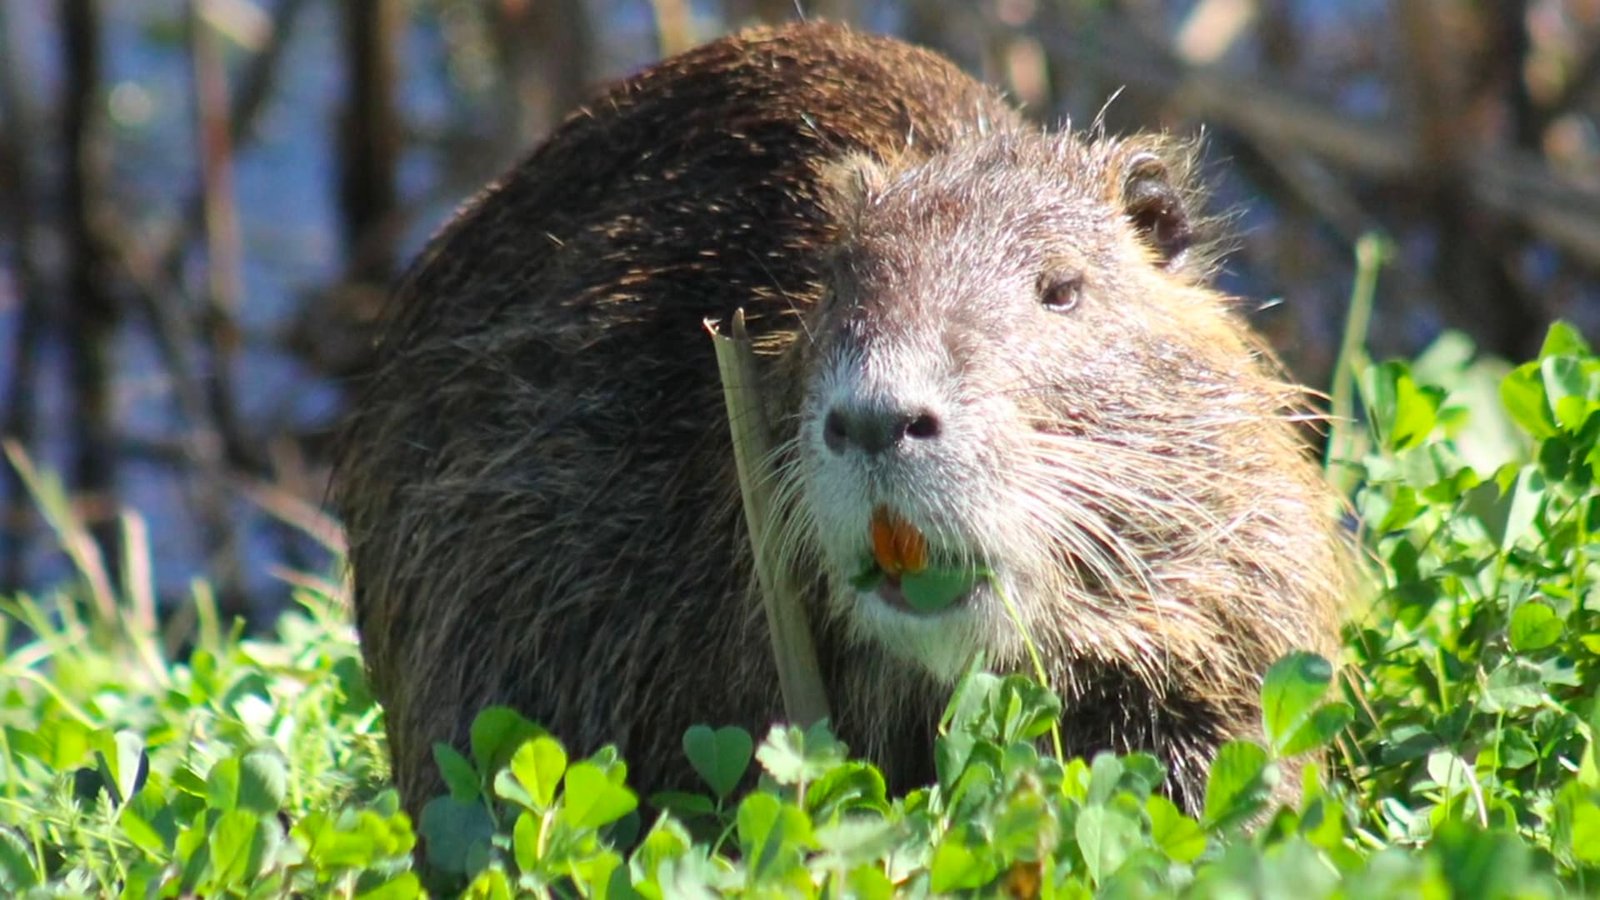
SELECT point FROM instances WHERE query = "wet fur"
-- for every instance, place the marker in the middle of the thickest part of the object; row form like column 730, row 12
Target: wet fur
column 537, row 482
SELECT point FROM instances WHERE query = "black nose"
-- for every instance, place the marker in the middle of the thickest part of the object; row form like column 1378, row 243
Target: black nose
column 874, row 429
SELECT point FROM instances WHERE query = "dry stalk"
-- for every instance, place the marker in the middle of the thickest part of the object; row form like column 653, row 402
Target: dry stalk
column 805, row 700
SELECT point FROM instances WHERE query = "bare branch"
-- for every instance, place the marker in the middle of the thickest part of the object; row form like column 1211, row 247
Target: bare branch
column 91, row 311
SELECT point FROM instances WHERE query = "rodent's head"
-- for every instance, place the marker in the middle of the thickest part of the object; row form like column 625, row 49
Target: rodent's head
column 1018, row 363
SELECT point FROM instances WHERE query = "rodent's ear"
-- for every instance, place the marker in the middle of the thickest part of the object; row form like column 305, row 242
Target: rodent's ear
column 1156, row 201
column 848, row 184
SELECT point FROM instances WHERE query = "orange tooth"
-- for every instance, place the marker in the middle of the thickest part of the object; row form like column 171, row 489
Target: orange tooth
column 897, row 546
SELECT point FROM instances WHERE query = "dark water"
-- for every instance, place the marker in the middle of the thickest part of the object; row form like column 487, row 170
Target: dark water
column 285, row 180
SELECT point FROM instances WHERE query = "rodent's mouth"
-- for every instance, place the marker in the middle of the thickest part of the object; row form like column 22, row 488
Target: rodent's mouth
column 927, row 595
column 903, row 573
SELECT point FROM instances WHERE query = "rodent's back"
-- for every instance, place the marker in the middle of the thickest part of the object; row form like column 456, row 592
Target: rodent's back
column 536, row 479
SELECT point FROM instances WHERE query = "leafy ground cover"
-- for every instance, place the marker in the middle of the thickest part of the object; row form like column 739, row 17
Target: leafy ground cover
column 146, row 759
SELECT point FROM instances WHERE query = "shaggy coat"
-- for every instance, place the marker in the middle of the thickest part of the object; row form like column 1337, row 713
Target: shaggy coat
column 537, row 478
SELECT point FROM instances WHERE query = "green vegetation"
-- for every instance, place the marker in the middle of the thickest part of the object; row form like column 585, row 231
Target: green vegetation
column 1460, row 740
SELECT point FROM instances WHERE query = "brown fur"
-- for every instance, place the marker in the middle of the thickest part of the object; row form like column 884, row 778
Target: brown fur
column 537, row 479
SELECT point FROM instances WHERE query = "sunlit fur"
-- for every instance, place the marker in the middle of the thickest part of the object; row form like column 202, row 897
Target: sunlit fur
column 537, row 481
column 1128, row 469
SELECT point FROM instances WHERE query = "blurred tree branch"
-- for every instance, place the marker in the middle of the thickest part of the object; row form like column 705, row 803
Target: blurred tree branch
column 371, row 137
column 91, row 311
column 16, row 162
column 1470, row 263
column 219, row 315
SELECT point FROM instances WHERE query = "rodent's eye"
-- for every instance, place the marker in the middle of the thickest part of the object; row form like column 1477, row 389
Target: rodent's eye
column 1061, row 293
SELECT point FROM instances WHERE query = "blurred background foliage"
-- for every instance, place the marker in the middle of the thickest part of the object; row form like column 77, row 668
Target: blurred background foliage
column 202, row 202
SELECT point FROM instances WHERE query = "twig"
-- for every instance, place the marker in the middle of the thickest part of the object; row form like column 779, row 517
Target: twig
column 16, row 155
column 369, row 146
column 220, row 226
column 546, row 53
column 155, row 264
column 91, row 313
column 1212, row 27
column 674, row 26
column 219, row 223
column 255, row 85
column 1507, row 22
column 1468, row 264
column 1344, row 442
column 805, row 699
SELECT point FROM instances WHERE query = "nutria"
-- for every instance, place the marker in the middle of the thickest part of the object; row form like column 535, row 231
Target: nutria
column 1001, row 335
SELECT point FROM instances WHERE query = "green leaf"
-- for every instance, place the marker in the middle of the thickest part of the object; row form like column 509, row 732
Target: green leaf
column 68, row 740
column 1523, row 395
column 142, row 833
column 1570, row 386
column 17, row 873
column 1449, row 771
column 1142, row 774
column 525, row 842
column 222, row 784
column 1515, row 510
column 354, row 840
column 1589, row 766
column 538, row 765
column 682, row 804
column 1514, row 685
column 456, row 835
column 1178, row 836
column 1105, row 837
column 497, row 732
column 592, row 799
column 235, row 852
column 1289, row 696
column 1319, row 730
column 1402, row 511
column 1403, row 411
column 27, row 744
column 869, row 576
column 491, row 884
column 1483, row 864
column 849, row 786
column 256, row 781
column 1563, row 340
column 1105, row 771
column 933, row 589
column 405, row 886
column 861, row 840
column 459, row 775
column 772, row 836
column 792, row 755
column 666, row 842
column 127, row 766
column 263, row 781
column 1239, row 783
column 869, row 883
column 720, row 756
column 1584, row 832
column 607, row 876
column 1023, row 709
column 1534, row 626
column 959, row 864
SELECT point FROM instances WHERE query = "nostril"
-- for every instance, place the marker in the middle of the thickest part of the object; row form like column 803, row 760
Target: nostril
column 835, row 431
column 873, row 430
column 923, row 427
